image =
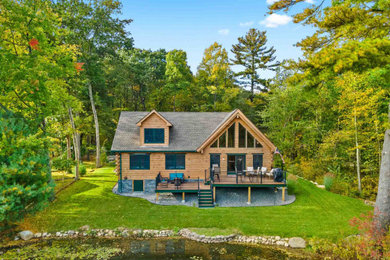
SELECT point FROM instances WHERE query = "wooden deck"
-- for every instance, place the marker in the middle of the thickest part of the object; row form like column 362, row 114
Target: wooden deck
column 184, row 187
column 225, row 181
column 244, row 180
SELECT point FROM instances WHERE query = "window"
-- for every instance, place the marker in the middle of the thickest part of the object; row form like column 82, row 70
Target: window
column 175, row 161
column 215, row 144
column 139, row 161
column 231, row 134
column 222, row 140
column 241, row 136
column 258, row 144
column 257, row 161
column 154, row 135
column 250, row 140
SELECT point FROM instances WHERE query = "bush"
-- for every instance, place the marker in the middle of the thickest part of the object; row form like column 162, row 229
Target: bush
column 62, row 164
column 25, row 185
column 83, row 169
column 369, row 244
column 369, row 187
column 328, row 181
column 103, row 158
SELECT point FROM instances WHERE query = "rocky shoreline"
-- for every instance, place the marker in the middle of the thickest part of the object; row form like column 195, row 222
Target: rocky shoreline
column 122, row 232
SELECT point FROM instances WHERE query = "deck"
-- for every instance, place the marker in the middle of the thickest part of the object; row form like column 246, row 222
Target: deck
column 224, row 181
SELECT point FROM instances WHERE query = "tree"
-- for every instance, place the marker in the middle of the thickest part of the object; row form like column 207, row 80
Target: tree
column 352, row 37
column 215, row 79
column 25, row 178
column 99, row 34
column 178, row 75
column 252, row 53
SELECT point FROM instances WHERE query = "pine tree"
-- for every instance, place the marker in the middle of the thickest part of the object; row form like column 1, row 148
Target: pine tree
column 252, row 53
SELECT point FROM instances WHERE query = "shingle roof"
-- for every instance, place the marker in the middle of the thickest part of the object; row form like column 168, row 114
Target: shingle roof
column 188, row 131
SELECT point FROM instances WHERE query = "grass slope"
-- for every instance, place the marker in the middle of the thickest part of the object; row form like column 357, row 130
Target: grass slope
column 315, row 213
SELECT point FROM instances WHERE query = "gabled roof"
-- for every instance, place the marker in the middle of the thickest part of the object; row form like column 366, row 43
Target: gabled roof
column 139, row 123
column 188, row 131
column 235, row 114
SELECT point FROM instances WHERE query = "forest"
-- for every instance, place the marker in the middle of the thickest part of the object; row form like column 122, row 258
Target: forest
column 68, row 68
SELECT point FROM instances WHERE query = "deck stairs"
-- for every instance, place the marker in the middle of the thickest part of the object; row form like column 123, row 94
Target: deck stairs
column 205, row 199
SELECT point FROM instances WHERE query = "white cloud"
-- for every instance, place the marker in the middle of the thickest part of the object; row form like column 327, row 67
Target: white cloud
column 310, row 1
column 246, row 24
column 270, row 2
column 224, row 31
column 275, row 20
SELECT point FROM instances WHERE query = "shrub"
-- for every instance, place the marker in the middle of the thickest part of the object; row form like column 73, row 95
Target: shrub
column 25, row 185
column 62, row 164
column 369, row 187
column 83, row 169
column 328, row 181
column 369, row 244
column 103, row 158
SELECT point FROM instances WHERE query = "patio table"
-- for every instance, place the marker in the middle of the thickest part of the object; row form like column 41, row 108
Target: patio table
column 250, row 174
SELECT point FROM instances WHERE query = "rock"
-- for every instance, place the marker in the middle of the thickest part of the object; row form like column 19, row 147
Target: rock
column 38, row 235
column 16, row 238
column 26, row 235
column 297, row 242
column 85, row 228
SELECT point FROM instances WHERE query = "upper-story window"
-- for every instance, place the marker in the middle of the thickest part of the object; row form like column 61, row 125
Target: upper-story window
column 246, row 140
column 227, row 139
column 154, row 136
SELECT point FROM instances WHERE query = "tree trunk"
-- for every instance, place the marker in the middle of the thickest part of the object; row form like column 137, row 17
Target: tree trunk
column 76, row 144
column 68, row 149
column 97, row 132
column 382, row 205
column 357, row 156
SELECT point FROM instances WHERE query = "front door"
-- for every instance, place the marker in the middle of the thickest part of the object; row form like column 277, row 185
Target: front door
column 236, row 161
column 138, row 185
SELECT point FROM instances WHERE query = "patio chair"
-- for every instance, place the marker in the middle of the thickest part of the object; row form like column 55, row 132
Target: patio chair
column 163, row 181
column 270, row 174
column 177, row 183
column 263, row 170
column 250, row 172
column 239, row 173
column 216, row 172
column 257, row 173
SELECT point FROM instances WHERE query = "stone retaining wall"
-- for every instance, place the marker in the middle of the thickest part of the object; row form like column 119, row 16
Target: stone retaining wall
column 85, row 231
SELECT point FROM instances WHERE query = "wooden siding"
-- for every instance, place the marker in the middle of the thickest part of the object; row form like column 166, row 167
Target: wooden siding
column 154, row 121
column 196, row 163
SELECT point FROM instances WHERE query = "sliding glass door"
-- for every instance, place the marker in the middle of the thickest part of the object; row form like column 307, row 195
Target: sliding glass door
column 235, row 161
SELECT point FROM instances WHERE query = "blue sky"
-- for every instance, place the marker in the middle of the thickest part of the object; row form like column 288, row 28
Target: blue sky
column 193, row 25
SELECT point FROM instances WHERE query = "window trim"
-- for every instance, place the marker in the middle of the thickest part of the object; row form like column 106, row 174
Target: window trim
column 135, row 154
column 163, row 137
column 175, row 166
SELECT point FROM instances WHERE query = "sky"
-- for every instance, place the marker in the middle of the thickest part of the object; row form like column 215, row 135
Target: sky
column 193, row 25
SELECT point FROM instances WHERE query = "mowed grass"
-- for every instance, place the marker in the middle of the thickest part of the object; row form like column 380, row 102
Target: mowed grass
column 90, row 201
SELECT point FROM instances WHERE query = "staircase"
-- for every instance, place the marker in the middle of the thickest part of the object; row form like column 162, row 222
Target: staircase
column 205, row 199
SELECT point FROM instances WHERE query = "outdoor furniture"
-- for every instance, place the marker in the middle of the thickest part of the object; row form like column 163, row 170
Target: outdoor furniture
column 239, row 173
column 251, row 173
column 173, row 176
column 216, row 171
column 263, row 171
column 278, row 175
column 270, row 174
column 163, row 181
column 177, row 183
column 257, row 173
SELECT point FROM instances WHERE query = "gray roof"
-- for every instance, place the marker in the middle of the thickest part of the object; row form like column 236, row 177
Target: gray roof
column 188, row 131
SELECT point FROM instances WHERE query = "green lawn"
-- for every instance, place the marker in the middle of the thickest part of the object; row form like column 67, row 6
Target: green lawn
column 315, row 213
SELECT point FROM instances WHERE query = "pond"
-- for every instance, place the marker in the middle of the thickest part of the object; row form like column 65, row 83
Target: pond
column 143, row 249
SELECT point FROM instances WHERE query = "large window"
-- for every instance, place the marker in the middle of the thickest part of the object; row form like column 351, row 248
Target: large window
column 154, row 135
column 175, row 161
column 231, row 136
column 222, row 140
column 246, row 140
column 241, row 136
column 139, row 161
column 257, row 161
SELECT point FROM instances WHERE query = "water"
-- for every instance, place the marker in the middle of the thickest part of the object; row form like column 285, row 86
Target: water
column 145, row 249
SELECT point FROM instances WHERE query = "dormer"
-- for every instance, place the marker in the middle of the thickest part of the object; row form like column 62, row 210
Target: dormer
column 154, row 130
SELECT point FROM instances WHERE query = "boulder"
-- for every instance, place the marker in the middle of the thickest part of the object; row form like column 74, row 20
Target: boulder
column 85, row 228
column 297, row 242
column 26, row 235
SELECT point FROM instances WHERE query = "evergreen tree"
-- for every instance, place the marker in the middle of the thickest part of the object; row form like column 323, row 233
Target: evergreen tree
column 252, row 53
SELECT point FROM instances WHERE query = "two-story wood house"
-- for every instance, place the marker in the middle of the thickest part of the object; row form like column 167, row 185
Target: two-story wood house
column 151, row 144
